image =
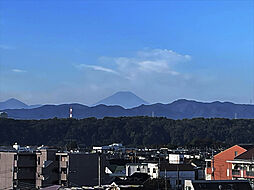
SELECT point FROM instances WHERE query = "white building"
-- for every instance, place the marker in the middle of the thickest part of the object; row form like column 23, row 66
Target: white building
column 151, row 169
column 111, row 147
column 176, row 158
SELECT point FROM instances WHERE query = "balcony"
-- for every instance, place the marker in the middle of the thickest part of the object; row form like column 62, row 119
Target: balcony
column 63, row 164
column 63, row 176
column 250, row 173
column 236, row 172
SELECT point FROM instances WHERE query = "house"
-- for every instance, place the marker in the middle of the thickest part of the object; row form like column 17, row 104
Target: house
column 176, row 158
column 152, row 169
column 243, row 167
column 217, row 168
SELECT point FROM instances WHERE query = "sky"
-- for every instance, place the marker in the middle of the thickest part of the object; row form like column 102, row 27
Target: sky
column 54, row 52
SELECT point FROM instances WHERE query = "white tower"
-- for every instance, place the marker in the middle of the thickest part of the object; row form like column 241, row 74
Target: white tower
column 70, row 112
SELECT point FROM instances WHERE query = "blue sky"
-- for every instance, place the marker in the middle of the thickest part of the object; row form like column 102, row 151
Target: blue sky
column 82, row 51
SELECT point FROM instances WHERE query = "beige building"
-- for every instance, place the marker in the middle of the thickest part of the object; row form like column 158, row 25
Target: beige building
column 25, row 168
column 22, row 167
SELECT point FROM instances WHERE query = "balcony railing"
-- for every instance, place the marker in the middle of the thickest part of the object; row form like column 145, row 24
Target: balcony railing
column 250, row 173
column 235, row 172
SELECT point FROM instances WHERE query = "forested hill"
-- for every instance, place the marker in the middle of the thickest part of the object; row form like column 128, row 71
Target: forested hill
column 131, row 131
column 179, row 109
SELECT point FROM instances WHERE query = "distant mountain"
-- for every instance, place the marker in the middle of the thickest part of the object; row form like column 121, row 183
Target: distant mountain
column 179, row 109
column 13, row 103
column 125, row 99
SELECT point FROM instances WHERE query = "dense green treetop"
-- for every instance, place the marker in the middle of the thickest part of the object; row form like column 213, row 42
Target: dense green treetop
column 131, row 131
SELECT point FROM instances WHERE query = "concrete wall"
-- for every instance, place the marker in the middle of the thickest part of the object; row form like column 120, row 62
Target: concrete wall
column 6, row 170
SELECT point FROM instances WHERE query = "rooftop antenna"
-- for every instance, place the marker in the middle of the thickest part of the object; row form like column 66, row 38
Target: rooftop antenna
column 70, row 112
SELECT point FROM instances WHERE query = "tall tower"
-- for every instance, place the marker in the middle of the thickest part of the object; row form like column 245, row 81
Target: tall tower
column 70, row 112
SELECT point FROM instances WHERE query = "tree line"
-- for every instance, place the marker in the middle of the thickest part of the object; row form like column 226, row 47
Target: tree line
column 130, row 131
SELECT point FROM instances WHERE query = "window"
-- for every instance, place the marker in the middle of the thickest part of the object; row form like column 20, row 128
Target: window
column 236, row 153
column 148, row 170
column 64, row 158
column 178, row 182
column 138, row 169
column 64, row 170
column 154, row 170
column 39, row 160
column 15, row 157
column 209, row 164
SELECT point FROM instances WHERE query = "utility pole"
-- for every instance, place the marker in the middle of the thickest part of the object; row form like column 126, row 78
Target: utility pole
column 177, row 176
column 166, row 180
column 99, row 169
column 213, row 166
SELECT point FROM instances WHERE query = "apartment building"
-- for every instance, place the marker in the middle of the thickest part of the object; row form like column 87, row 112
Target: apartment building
column 217, row 168
column 243, row 167
column 24, row 167
column 17, row 170
column 81, row 169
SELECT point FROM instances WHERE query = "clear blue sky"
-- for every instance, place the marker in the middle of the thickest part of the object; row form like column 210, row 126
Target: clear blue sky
column 82, row 51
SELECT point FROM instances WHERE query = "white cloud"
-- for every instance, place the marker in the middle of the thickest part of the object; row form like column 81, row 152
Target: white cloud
column 150, row 61
column 18, row 71
column 156, row 61
column 97, row 68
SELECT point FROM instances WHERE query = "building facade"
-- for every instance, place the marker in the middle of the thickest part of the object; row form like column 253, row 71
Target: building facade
column 217, row 168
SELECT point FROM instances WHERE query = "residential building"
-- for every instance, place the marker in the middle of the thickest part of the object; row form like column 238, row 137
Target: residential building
column 81, row 169
column 243, row 167
column 136, row 168
column 217, row 167
column 47, row 170
column 17, row 169
column 152, row 169
column 177, row 174
column 176, row 158
column 23, row 166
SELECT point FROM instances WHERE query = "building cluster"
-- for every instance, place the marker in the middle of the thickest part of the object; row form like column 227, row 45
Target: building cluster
column 117, row 167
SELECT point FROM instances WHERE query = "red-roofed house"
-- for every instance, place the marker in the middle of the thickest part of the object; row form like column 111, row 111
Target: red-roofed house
column 243, row 166
column 218, row 168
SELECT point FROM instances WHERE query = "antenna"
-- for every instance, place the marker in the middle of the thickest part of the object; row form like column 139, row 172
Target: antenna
column 70, row 112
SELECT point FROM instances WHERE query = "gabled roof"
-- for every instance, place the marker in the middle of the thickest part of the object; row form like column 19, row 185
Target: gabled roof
column 247, row 146
column 248, row 155
column 224, row 151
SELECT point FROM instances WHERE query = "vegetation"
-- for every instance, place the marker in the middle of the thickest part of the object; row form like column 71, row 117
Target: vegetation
column 131, row 131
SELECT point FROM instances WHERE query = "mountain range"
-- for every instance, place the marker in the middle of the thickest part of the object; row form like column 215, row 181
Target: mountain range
column 179, row 109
